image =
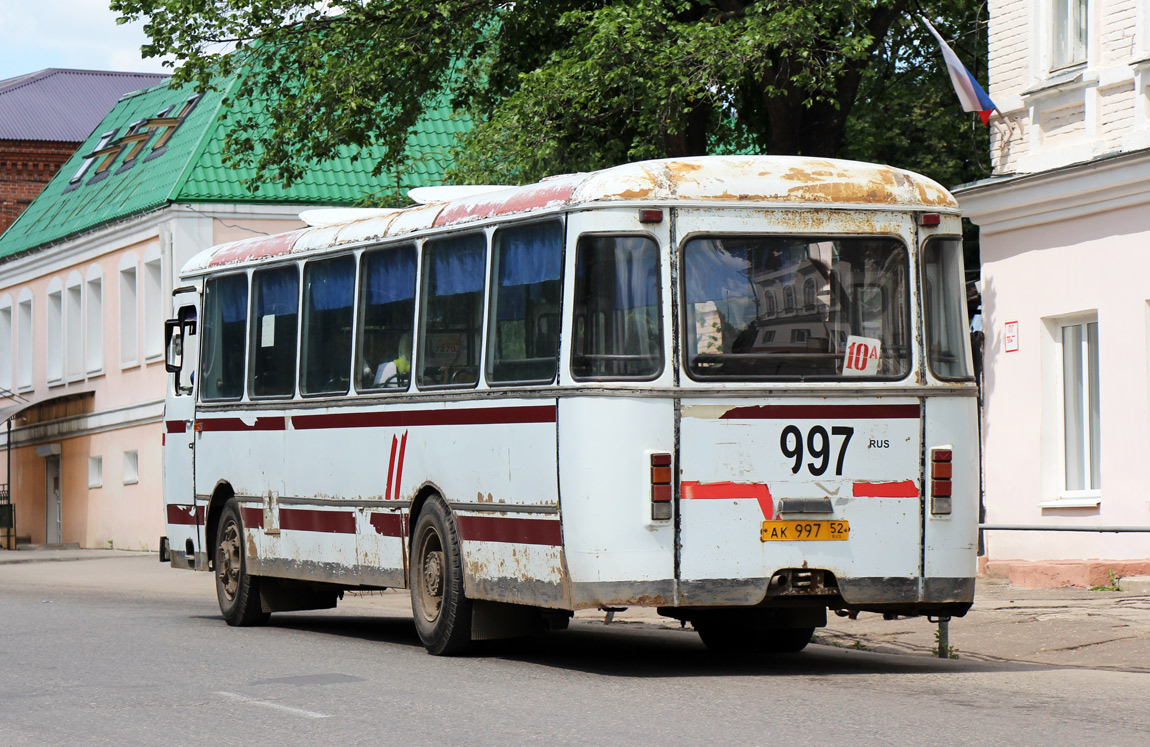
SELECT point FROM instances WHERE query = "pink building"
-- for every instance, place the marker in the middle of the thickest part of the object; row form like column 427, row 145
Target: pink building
column 86, row 279
column 1065, row 226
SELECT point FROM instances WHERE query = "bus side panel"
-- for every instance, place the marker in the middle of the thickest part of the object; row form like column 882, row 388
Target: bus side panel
column 616, row 553
column 952, row 539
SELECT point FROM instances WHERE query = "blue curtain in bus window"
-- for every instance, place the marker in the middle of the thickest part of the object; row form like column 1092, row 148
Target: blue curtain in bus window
column 528, row 256
column 391, row 277
column 234, row 306
column 459, row 266
column 278, row 293
column 331, row 285
column 636, row 273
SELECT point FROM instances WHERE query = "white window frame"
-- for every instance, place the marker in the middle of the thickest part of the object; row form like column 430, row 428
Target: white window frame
column 95, row 472
column 1055, row 404
column 153, row 292
column 54, row 333
column 129, row 301
column 131, row 467
column 94, row 321
column 25, row 341
column 7, row 345
column 74, row 327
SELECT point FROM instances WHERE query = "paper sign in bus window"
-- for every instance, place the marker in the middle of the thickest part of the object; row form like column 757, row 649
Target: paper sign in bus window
column 268, row 331
column 862, row 356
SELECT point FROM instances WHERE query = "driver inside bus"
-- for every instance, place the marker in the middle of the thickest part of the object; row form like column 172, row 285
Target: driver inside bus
column 395, row 373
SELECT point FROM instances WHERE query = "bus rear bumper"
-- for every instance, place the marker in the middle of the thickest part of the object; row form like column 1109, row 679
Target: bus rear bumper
column 893, row 595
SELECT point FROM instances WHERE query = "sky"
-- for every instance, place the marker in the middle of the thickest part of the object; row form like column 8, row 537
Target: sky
column 38, row 34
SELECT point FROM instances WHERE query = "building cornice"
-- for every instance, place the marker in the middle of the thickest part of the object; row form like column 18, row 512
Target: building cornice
column 1019, row 201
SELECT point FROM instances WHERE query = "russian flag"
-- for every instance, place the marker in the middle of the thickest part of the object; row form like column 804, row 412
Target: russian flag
column 973, row 98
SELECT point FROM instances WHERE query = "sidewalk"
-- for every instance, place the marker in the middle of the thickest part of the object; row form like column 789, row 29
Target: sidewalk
column 1060, row 627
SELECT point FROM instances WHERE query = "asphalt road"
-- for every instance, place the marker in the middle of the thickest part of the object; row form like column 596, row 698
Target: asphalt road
column 91, row 661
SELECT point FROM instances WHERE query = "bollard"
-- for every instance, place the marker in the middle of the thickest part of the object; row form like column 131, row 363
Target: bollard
column 944, row 637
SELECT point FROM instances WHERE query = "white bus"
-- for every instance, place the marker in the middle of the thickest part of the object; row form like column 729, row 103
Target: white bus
column 735, row 389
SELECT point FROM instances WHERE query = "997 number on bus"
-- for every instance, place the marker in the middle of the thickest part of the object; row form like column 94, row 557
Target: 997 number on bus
column 791, row 531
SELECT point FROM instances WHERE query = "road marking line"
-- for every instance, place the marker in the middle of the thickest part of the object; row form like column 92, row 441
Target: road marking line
column 253, row 701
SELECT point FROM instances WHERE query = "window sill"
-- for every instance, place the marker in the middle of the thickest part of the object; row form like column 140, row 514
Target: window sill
column 1077, row 499
column 131, row 482
column 1059, row 82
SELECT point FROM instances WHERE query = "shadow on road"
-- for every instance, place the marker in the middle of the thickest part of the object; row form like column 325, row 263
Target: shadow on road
column 623, row 650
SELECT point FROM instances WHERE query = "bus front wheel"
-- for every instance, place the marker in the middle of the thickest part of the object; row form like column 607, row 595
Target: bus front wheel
column 442, row 612
column 237, row 590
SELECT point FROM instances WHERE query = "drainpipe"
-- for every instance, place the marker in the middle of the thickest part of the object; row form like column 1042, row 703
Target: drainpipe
column 10, row 539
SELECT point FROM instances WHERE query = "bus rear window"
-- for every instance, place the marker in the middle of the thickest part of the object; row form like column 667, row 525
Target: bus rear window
column 766, row 307
column 944, row 299
column 617, row 320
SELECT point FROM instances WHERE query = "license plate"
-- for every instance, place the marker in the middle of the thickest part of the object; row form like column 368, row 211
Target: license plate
column 805, row 531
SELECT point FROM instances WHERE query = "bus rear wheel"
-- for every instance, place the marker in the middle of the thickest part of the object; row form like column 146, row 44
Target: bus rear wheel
column 237, row 590
column 442, row 612
column 732, row 637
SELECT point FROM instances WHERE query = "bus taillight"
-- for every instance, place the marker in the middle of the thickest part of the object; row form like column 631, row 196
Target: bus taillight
column 661, row 489
column 940, row 473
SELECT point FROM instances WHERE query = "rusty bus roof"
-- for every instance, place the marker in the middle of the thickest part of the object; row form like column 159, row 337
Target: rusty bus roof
column 759, row 181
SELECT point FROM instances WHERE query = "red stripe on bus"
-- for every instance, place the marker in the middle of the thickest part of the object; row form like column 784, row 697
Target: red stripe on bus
column 903, row 489
column 253, row 518
column 503, row 529
column 311, row 520
column 822, row 412
column 277, row 423
column 411, row 418
column 523, row 200
column 389, row 525
column 176, row 426
column 257, row 248
column 710, row 491
column 187, row 515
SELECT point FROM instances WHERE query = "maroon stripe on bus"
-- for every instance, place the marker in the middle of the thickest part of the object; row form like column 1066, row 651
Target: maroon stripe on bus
column 411, row 418
column 277, row 423
column 503, row 529
column 253, row 518
column 311, row 520
column 389, row 524
column 188, row 515
column 176, row 426
column 822, row 412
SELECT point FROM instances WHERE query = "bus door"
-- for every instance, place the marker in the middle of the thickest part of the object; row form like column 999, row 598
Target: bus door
column 184, row 515
column 792, row 456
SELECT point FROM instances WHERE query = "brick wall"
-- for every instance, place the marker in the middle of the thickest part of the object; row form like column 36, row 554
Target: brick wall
column 25, row 167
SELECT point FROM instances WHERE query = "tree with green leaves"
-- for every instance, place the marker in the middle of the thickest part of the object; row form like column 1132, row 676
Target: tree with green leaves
column 555, row 86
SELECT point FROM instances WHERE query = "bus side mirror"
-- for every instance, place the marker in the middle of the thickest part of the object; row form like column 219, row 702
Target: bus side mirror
column 174, row 345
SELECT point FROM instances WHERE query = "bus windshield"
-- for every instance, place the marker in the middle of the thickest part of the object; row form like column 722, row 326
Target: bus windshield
column 767, row 307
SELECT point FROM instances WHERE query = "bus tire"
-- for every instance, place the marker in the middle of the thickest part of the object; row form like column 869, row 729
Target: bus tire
column 442, row 612
column 237, row 590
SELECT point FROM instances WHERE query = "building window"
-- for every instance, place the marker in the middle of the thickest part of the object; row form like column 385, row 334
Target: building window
column 1068, row 33
column 6, row 347
column 131, row 467
column 96, row 472
column 55, row 336
column 25, row 348
column 153, row 305
column 73, row 329
column 94, row 321
column 129, row 313
column 1080, row 411
column 788, row 299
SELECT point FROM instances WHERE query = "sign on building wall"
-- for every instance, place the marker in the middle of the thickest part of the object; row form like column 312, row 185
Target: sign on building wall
column 1010, row 335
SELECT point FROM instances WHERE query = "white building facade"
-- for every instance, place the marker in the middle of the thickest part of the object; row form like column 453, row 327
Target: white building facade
column 1065, row 243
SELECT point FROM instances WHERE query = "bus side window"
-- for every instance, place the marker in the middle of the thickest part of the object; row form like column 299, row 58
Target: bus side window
column 275, row 295
column 224, row 336
column 617, row 309
column 329, row 299
column 526, row 284
column 386, row 319
column 451, row 311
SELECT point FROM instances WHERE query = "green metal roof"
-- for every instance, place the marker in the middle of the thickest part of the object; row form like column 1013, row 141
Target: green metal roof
column 189, row 168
